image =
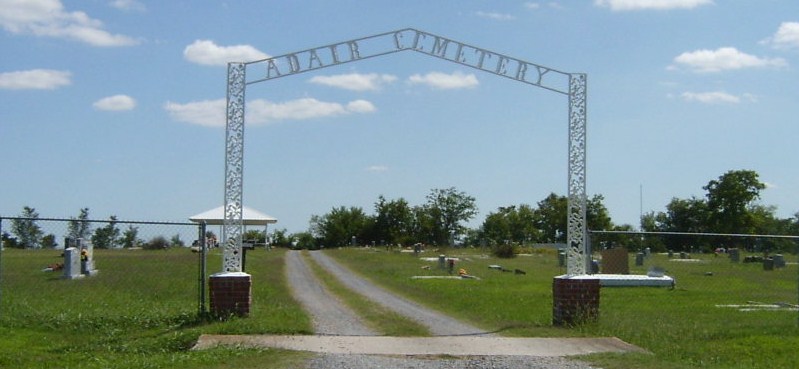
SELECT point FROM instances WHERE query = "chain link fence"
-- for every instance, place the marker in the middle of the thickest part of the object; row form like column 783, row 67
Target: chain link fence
column 102, row 269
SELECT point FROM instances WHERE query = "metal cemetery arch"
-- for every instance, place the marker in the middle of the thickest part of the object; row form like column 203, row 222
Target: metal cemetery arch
column 571, row 84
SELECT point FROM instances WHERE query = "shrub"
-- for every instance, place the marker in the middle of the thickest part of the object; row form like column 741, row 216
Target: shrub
column 505, row 251
column 157, row 243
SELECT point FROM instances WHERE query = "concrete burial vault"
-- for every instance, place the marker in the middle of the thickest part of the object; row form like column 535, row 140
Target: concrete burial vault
column 242, row 74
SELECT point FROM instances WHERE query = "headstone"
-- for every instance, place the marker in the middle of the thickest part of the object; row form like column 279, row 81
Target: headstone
column 561, row 258
column 86, row 257
column 735, row 255
column 779, row 261
column 647, row 252
column 71, row 263
column 671, row 254
column 639, row 259
column 768, row 264
column 684, row 255
column 615, row 261
column 441, row 261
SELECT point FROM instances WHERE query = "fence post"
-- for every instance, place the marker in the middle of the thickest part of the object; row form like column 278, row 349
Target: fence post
column 1, row 263
column 203, row 248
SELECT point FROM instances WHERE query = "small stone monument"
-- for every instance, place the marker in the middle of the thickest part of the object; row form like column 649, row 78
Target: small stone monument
column 779, row 261
column 768, row 263
column 639, row 259
column 615, row 261
column 561, row 258
column 86, row 257
column 71, row 263
column 735, row 255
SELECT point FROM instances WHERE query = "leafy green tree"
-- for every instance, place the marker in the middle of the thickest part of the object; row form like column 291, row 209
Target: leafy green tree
column 597, row 217
column 9, row 242
column 280, row 238
column 304, row 240
column 175, row 241
column 255, row 236
column 511, row 224
column 551, row 217
column 393, row 221
column 106, row 237
column 449, row 208
column 684, row 215
column 130, row 237
column 425, row 227
column 29, row 234
column 337, row 227
column 729, row 199
column 49, row 241
column 79, row 227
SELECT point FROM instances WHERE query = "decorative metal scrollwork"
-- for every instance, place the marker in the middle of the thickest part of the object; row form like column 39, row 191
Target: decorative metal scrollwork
column 234, row 167
column 576, row 232
column 388, row 43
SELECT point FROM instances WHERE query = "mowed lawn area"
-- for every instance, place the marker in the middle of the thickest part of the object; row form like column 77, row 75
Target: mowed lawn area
column 681, row 327
column 140, row 310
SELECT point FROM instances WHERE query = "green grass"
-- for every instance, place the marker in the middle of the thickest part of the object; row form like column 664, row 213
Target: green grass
column 681, row 327
column 376, row 317
column 140, row 311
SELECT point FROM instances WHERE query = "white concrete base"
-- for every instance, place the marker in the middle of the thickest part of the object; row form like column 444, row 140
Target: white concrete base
column 630, row 280
column 450, row 345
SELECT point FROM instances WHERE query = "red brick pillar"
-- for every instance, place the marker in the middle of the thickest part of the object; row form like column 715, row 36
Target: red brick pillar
column 575, row 300
column 231, row 294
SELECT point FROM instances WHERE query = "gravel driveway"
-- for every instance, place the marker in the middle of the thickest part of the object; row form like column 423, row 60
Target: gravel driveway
column 331, row 317
column 439, row 324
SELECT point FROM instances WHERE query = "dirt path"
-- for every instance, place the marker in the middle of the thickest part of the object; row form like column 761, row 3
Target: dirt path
column 438, row 323
column 329, row 315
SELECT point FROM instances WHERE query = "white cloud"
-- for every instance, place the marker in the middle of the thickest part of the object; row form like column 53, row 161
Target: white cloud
column 532, row 5
column 206, row 52
column 716, row 97
column 355, row 81
column 787, row 36
column 725, row 58
column 377, row 168
column 115, row 103
column 361, row 106
column 495, row 16
column 625, row 5
column 445, row 81
column 35, row 79
column 128, row 5
column 212, row 113
column 209, row 113
column 48, row 18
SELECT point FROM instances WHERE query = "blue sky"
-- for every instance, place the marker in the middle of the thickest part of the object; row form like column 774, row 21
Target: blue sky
column 118, row 106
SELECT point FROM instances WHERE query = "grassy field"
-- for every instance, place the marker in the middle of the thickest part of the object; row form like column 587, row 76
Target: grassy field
column 681, row 327
column 140, row 311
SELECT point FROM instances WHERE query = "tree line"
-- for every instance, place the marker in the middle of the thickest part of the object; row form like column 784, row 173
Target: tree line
column 28, row 234
column 730, row 206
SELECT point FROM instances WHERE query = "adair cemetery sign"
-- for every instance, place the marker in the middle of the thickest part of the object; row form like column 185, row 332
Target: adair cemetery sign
column 240, row 75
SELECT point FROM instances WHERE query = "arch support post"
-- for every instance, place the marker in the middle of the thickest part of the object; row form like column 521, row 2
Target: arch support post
column 233, row 229
column 231, row 289
column 578, row 254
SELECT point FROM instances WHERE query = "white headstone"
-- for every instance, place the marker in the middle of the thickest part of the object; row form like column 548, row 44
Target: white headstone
column 71, row 263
